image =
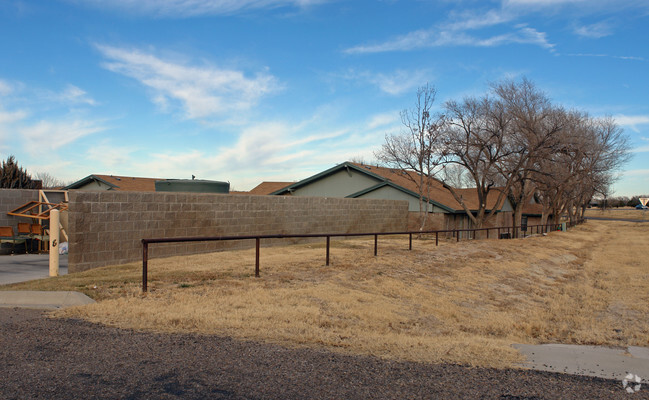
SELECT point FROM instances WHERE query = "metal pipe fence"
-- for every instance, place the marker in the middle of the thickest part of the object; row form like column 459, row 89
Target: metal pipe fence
column 503, row 233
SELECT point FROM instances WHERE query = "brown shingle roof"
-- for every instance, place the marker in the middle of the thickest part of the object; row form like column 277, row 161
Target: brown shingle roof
column 438, row 193
column 120, row 183
column 268, row 187
column 130, row 183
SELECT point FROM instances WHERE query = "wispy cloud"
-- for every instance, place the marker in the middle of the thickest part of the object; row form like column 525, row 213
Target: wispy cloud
column 5, row 88
column 636, row 173
column 542, row 3
column 108, row 155
column 595, row 31
column 7, row 117
column 394, row 83
column 71, row 95
column 265, row 150
column 191, row 8
column 383, row 120
column 457, row 33
column 203, row 91
column 46, row 135
column 632, row 58
column 632, row 121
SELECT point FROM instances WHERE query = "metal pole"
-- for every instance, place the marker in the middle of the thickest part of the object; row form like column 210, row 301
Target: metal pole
column 410, row 242
column 55, row 219
column 327, row 250
column 436, row 238
column 257, row 257
column 376, row 244
column 145, row 259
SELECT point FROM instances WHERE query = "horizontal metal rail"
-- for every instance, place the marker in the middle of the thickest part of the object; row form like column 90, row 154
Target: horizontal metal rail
column 455, row 233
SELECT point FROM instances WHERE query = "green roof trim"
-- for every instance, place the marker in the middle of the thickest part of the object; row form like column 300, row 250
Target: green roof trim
column 402, row 189
column 88, row 179
column 323, row 174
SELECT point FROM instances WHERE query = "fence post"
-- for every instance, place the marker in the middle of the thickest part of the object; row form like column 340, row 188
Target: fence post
column 436, row 238
column 410, row 242
column 327, row 263
column 257, row 257
column 145, row 260
column 376, row 244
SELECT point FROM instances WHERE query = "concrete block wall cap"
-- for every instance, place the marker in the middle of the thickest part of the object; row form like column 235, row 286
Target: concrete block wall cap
column 43, row 299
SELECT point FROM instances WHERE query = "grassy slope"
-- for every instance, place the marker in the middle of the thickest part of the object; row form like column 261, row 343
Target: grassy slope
column 459, row 302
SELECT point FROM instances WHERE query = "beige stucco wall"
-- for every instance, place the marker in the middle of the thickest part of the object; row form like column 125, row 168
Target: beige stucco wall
column 390, row 193
column 340, row 184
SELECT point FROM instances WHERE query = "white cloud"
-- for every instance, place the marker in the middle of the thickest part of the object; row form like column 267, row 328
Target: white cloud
column 400, row 81
column 203, row 91
column 633, row 58
column 632, row 121
column 455, row 34
column 393, row 83
column 543, row 3
column 190, row 8
column 7, row 117
column 595, row 31
column 5, row 88
column 108, row 155
column 47, row 136
column 383, row 120
column 636, row 173
column 73, row 95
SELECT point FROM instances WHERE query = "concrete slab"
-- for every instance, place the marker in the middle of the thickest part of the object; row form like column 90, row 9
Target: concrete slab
column 42, row 300
column 27, row 267
column 602, row 362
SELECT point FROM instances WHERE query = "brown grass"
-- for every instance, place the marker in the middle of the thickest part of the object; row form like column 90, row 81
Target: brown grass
column 460, row 302
column 628, row 213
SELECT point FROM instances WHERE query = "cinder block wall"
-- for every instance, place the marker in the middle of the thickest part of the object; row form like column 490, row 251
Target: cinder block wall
column 11, row 199
column 106, row 227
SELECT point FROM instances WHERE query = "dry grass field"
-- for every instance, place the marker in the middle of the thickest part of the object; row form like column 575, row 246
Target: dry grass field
column 628, row 213
column 460, row 302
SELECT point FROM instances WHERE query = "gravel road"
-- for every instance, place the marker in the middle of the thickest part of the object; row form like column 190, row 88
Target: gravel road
column 42, row 358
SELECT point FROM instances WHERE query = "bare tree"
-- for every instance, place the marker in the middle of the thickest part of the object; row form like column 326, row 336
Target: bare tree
column 417, row 149
column 536, row 126
column 584, row 164
column 476, row 138
column 455, row 175
column 49, row 181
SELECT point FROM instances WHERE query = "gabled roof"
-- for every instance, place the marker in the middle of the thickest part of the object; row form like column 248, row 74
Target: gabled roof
column 267, row 187
column 402, row 180
column 119, row 183
column 399, row 188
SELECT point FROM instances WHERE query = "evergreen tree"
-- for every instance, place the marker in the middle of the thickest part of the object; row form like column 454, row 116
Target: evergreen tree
column 14, row 177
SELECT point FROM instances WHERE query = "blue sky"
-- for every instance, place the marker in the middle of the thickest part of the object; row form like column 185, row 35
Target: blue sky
column 252, row 90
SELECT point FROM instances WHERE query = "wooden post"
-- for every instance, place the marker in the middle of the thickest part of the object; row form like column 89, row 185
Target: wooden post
column 55, row 218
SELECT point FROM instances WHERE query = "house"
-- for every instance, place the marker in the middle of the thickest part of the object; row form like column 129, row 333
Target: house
column 133, row 184
column 113, row 182
column 354, row 180
column 267, row 187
